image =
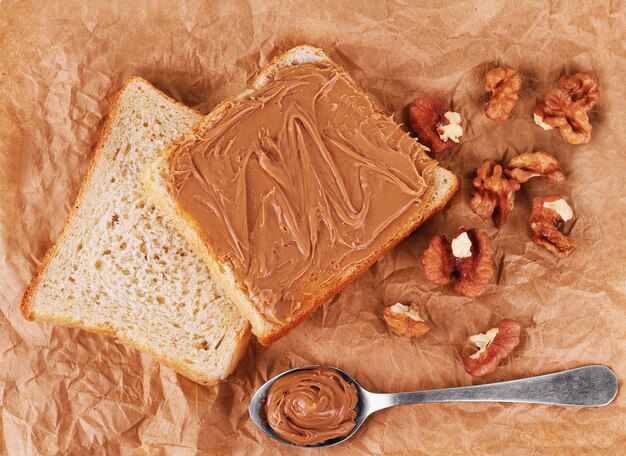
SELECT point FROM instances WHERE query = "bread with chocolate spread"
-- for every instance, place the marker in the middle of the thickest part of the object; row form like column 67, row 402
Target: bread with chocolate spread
column 292, row 188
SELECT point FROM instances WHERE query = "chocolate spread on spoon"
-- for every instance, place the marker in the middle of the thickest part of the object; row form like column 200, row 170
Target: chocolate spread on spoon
column 311, row 406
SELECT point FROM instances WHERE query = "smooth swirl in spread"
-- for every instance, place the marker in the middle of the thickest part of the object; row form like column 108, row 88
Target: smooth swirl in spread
column 311, row 406
column 298, row 183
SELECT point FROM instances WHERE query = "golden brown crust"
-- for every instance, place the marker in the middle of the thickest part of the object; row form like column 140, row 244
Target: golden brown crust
column 189, row 228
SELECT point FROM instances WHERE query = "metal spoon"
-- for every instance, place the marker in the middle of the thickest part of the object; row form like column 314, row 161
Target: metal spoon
column 588, row 386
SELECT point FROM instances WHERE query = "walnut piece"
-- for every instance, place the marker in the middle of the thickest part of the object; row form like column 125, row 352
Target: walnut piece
column 495, row 194
column 532, row 164
column 493, row 346
column 566, row 108
column 469, row 257
column 547, row 215
column 504, row 84
column 558, row 111
column 435, row 127
column 405, row 320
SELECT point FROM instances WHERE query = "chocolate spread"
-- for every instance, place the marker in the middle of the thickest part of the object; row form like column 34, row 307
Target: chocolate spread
column 298, row 183
column 311, row 406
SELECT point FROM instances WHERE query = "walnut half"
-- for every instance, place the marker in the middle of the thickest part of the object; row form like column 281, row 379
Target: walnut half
column 566, row 108
column 405, row 320
column 435, row 127
column 469, row 257
column 547, row 215
column 504, row 84
column 493, row 346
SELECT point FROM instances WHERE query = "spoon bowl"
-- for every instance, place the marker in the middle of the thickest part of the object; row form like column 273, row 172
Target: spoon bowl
column 588, row 386
column 257, row 407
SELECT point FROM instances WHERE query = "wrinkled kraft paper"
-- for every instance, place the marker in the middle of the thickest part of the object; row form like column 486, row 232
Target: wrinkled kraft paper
column 67, row 391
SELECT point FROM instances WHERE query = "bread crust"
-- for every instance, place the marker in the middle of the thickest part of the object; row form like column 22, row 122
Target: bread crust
column 29, row 313
column 155, row 180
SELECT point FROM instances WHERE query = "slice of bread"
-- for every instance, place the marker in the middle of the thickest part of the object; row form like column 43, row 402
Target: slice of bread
column 156, row 179
column 119, row 268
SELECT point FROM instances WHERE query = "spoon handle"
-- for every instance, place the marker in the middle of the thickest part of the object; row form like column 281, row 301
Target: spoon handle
column 594, row 385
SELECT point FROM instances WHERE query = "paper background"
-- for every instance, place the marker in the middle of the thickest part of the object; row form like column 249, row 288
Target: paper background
column 71, row 392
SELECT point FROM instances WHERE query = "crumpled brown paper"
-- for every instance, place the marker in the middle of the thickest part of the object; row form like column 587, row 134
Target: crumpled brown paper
column 70, row 392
